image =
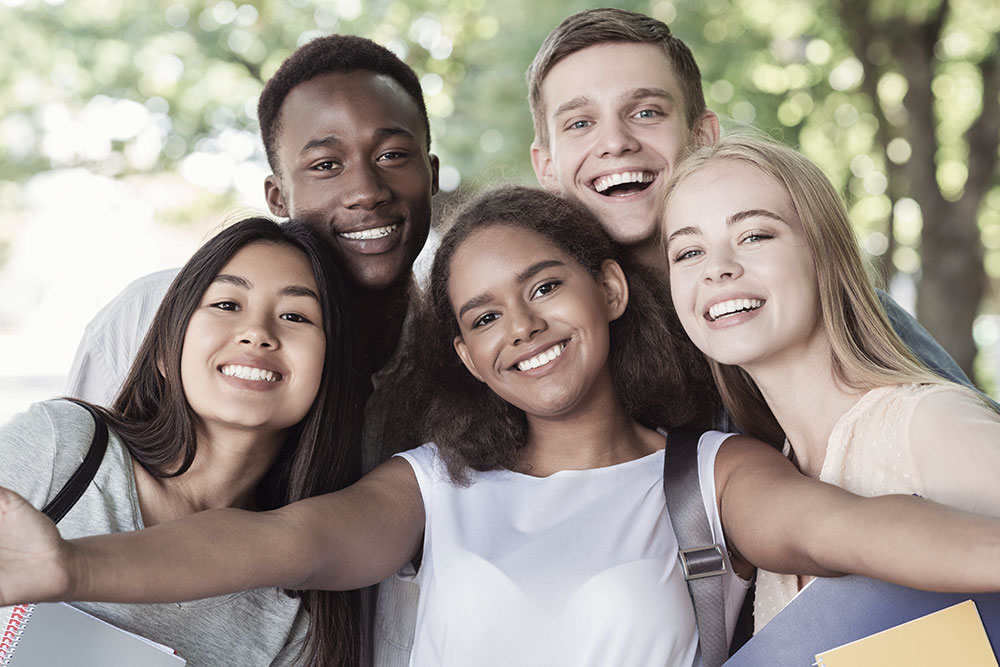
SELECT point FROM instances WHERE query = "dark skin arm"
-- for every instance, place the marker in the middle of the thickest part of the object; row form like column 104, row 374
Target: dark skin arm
column 783, row 521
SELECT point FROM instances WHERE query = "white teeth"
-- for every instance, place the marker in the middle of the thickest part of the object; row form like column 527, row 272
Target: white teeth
column 543, row 358
column 250, row 373
column 606, row 182
column 733, row 306
column 368, row 234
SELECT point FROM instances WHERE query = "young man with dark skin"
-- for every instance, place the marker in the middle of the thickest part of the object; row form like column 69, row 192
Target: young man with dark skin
column 347, row 137
column 348, row 145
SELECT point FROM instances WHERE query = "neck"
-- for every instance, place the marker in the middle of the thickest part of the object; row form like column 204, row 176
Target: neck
column 596, row 435
column 807, row 399
column 381, row 315
column 225, row 472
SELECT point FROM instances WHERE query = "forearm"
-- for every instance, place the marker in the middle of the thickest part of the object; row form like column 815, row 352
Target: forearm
column 783, row 521
column 908, row 541
column 206, row 554
column 337, row 541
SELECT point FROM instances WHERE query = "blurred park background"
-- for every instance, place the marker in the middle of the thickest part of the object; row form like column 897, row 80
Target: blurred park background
column 127, row 134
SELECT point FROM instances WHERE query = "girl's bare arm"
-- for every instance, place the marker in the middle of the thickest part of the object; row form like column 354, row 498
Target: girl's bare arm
column 786, row 522
column 342, row 540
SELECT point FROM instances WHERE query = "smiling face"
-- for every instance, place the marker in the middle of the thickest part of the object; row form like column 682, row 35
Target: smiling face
column 533, row 322
column 742, row 276
column 253, row 351
column 354, row 163
column 616, row 124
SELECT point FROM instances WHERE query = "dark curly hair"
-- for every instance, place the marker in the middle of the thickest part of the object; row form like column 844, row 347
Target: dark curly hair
column 324, row 55
column 660, row 377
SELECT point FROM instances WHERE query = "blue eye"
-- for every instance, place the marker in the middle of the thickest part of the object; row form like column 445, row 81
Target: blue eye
column 687, row 254
column 647, row 113
column 756, row 237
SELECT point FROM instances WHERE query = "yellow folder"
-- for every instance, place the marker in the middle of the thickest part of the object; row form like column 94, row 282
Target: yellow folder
column 952, row 636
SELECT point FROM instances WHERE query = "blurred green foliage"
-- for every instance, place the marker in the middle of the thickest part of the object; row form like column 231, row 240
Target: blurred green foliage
column 125, row 88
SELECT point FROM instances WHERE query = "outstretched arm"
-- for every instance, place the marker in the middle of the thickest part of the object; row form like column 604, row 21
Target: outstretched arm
column 786, row 522
column 349, row 539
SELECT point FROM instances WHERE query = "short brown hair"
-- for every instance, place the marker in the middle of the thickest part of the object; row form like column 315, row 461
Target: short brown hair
column 609, row 25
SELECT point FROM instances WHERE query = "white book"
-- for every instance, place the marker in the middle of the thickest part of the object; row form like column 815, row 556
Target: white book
column 47, row 634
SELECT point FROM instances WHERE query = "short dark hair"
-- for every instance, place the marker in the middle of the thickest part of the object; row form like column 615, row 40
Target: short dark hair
column 339, row 54
column 321, row 453
column 609, row 25
column 658, row 374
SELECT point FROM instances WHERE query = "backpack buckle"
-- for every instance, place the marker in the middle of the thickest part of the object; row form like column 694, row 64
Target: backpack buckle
column 701, row 562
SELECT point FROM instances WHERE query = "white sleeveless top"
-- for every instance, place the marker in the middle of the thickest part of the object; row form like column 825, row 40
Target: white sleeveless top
column 577, row 568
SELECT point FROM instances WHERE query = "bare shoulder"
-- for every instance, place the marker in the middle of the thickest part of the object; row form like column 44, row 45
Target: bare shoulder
column 744, row 454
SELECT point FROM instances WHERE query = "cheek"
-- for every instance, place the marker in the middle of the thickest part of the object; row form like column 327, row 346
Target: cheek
column 312, row 360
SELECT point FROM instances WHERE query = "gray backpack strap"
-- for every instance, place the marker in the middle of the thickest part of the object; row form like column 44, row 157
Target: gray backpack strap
column 701, row 558
column 70, row 493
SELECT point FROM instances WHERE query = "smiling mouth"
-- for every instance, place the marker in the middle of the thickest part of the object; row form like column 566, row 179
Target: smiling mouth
column 250, row 373
column 732, row 307
column 369, row 234
column 623, row 183
column 541, row 359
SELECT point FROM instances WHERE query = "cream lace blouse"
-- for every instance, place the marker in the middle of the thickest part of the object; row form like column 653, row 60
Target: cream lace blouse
column 937, row 441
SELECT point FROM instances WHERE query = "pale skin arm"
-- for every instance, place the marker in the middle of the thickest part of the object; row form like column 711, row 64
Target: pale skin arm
column 338, row 541
column 783, row 521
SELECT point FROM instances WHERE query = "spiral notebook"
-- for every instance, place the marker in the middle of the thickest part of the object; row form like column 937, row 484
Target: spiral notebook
column 50, row 634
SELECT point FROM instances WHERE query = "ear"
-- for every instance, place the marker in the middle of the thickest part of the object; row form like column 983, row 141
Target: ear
column 275, row 198
column 541, row 161
column 435, row 167
column 615, row 287
column 705, row 130
column 463, row 354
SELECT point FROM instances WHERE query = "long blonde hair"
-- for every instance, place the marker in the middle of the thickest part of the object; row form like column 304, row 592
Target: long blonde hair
column 866, row 352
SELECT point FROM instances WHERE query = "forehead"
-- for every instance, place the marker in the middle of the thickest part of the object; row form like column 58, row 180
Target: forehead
column 265, row 261
column 496, row 254
column 351, row 105
column 722, row 188
column 608, row 72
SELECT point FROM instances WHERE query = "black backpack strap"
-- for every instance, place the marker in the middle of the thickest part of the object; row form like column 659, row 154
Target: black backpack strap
column 702, row 560
column 64, row 500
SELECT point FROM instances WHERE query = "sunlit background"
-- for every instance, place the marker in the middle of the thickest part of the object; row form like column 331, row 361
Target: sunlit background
column 127, row 135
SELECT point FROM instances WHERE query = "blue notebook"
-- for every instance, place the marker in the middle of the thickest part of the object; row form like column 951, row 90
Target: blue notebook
column 832, row 612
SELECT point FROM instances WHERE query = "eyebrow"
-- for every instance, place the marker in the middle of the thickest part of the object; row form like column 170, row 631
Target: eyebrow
column 526, row 274
column 380, row 134
column 634, row 94
column 288, row 290
column 731, row 220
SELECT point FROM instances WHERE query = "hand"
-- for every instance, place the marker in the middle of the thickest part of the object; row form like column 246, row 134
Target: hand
column 33, row 557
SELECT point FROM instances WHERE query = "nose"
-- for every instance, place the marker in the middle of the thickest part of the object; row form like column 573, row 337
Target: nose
column 363, row 187
column 257, row 334
column 616, row 138
column 523, row 324
column 722, row 265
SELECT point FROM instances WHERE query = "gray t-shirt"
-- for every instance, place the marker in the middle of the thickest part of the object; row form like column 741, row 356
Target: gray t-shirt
column 40, row 449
